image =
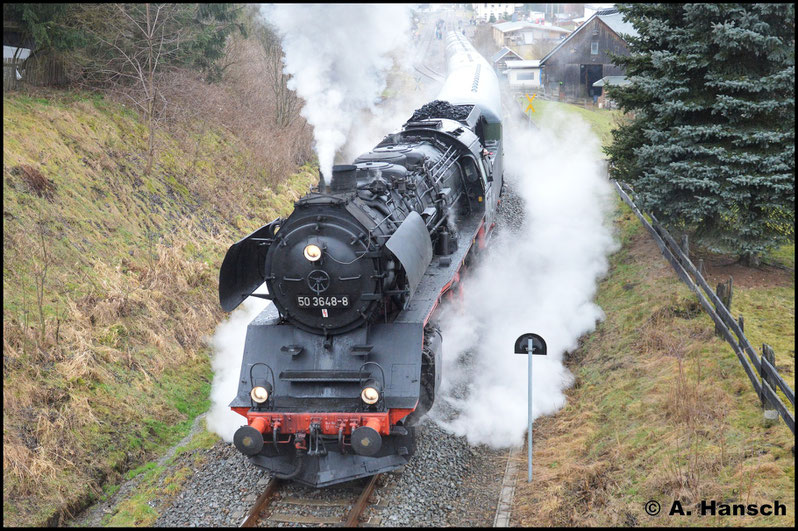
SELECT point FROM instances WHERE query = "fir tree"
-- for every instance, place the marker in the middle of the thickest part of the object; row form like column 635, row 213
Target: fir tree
column 711, row 146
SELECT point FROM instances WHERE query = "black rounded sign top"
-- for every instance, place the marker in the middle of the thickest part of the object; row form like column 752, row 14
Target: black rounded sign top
column 538, row 344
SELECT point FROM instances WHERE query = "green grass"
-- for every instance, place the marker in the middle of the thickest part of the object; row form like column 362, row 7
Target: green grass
column 139, row 470
column 203, row 439
column 109, row 490
column 601, row 121
column 784, row 255
column 769, row 314
column 157, row 486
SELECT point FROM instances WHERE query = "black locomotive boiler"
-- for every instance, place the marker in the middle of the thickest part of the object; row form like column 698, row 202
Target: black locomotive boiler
column 338, row 370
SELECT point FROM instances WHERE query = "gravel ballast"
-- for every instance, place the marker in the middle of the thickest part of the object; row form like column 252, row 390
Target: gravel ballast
column 219, row 493
column 446, row 483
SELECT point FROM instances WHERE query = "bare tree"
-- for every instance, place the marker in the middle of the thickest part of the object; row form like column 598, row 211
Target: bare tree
column 139, row 39
column 286, row 102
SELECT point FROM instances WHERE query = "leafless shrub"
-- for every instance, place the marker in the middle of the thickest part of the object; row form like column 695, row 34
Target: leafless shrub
column 252, row 102
column 136, row 42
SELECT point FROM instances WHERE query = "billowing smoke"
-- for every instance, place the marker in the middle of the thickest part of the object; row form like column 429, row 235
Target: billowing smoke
column 338, row 57
column 540, row 277
column 388, row 117
column 228, row 350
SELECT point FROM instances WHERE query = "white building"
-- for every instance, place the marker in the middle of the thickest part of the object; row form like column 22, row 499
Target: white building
column 482, row 12
column 536, row 17
column 523, row 74
column 521, row 32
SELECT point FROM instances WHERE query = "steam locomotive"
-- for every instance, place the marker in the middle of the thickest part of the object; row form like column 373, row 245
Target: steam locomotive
column 337, row 372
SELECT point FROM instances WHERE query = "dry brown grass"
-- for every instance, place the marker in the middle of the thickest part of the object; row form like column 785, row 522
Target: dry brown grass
column 154, row 307
column 244, row 102
column 38, row 183
column 660, row 410
column 104, row 353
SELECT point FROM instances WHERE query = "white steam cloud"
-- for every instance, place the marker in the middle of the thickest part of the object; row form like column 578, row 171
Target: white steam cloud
column 228, row 348
column 338, row 57
column 541, row 278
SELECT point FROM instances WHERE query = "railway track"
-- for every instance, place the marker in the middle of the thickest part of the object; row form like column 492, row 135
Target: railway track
column 282, row 503
column 427, row 72
column 419, row 64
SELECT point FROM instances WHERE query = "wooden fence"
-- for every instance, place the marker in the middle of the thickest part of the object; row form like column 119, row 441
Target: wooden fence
column 42, row 71
column 9, row 74
column 761, row 370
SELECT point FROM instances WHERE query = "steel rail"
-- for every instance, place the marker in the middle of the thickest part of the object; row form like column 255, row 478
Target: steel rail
column 422, row 68
column 353, row 518
column 261, row 503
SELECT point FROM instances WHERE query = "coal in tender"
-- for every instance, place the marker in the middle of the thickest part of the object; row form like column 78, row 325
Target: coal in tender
column 441, row 109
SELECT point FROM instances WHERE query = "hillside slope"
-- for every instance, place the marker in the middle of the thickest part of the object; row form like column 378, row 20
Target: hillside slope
column 110, row 286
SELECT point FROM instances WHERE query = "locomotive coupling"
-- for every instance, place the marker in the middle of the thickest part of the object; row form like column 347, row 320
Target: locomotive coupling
column 249, row 439
column 366, row 440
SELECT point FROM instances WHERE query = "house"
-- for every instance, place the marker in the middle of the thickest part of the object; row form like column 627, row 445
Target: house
column 483, row 12
column 499, row 59
column 562, row 11
column 575, row 64
column 590, row 10
column 520, row 33
column 603, row 101
column 536, row 17
column 523, row 74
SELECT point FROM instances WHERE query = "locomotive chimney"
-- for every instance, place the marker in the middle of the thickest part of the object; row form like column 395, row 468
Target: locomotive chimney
column 323, row 187
column 344, row 178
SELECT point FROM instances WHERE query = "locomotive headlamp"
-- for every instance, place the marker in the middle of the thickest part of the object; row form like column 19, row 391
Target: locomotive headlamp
column 370, row 395
column 259, row 394
column 371, row 392
column 312, row 252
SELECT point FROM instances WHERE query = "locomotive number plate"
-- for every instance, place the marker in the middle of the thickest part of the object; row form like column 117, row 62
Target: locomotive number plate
column 322, row 302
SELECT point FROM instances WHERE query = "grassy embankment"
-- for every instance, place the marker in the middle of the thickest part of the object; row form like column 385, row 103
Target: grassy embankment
column 661, row 408
column 110, row 286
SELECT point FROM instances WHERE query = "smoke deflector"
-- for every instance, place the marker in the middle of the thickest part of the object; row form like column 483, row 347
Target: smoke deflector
column 242, row 270
column 411, row 244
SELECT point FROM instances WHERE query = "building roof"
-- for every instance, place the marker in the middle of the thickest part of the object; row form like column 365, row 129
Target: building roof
column 505, row 27
column 617, row 23
column 526, row 63
column 612, row 80
column 8, row 52
column 501, row 53
column 611, row 17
